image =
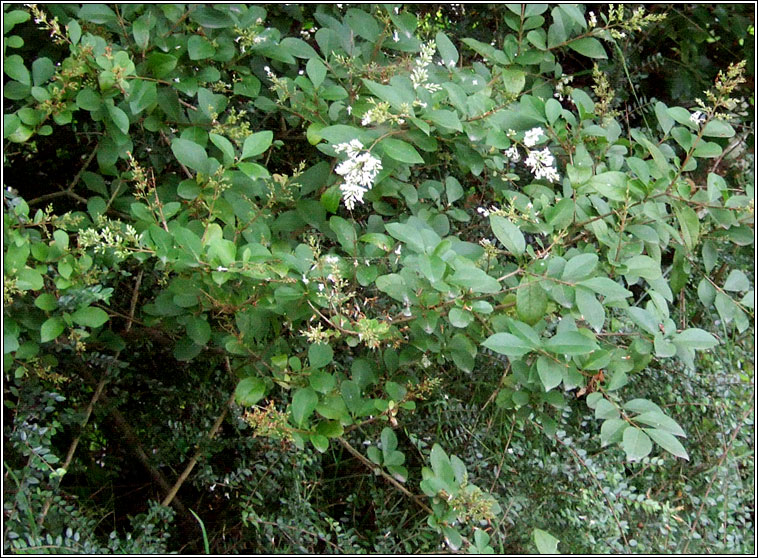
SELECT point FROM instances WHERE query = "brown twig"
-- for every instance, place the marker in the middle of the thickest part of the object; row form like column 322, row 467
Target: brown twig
column 193, row 461
column 69, row 191
column 75, row 443
column 373, row 467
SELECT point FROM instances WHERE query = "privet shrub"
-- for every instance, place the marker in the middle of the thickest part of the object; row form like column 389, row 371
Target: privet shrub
column 359, row 218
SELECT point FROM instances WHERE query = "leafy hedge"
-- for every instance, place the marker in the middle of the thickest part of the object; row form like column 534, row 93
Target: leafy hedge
column 352, row 221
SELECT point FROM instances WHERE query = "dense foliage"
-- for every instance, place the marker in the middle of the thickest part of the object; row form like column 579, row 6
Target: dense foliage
column 378, row 278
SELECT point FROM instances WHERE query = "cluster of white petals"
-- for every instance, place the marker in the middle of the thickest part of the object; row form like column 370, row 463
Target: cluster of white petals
column 513, row 154
column 541, row 165
column 533, row 136
column 697, row 117
column 359, row 171
column 420, row 75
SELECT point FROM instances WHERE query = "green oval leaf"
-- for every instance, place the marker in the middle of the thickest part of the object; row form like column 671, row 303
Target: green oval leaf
column 400, row 151
column 249, row 391
column 303, row 403
column 190, row 154
column 90, row 316
column 588, row 46
column 668, row 442
column 636, row 444
column 257, row 143
column 316, row 71
column 51, row 328
column 508, row 234
column 199, row 48
column 14, row 68
column 199, row 330
column 320, row 354
column 550, row 372
column 29, row 279
column 570, row 343
column 507, row 344
column 545, row 542
column 531, row 301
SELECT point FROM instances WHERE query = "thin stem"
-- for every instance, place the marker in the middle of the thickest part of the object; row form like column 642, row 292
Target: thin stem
column 192, row 462
column 373, row 467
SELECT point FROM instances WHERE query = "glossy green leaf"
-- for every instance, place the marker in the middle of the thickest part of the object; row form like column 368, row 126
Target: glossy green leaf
column 476, row 279
column 604, row 409
column 660, row 421
column 447, row 119
column 514, row 80
column 545, row 542
column 508, row 234
column 351, row 394
column 636, row 444
column 199, row 330
column 249, row 391
column 612, row 431
column 606, row 287
column 570, row 343
column 447, row 49
column 508, row 344
column 29, row 279
column 689, row 224
column 97, row 13
column 51, row 328
column 579, row 267
column 588, row 46
column 13, row 66
column 718, row 129
column 590, row 309
column 320, row 442
column 320, row 354
column 550, row 372
column 119, row 117
column 322, row 381
column 400, row 151
column 345, row 232
column 303, row 404
column 316, row 71
column 257, row 143
column 330, row 429
column 737, row 281
column 531, row 301
column 199, row 48
column 667, row 442
column 90, row 316
column 46, row 302
column 696, row 338
column 190, row 154
column 642, row 266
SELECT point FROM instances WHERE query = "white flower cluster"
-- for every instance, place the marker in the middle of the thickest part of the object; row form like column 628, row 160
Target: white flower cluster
column 697, row 117
column 562, row 88
column 420, row 75
column 485, row 211
column 359, row 171
column 541, row 165
column 532, row 137
column 513, row 154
